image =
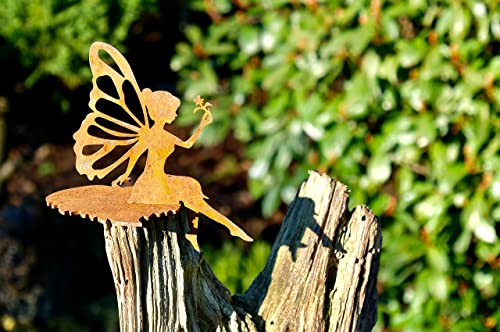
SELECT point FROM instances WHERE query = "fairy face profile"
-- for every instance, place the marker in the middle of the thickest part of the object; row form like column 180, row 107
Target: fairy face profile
column 161, row 105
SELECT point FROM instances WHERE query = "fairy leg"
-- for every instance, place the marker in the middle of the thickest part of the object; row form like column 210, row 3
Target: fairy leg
column 193, row 199
column 203, row 207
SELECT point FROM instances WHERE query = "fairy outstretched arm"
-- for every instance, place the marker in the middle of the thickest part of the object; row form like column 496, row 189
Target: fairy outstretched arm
column 206, row 119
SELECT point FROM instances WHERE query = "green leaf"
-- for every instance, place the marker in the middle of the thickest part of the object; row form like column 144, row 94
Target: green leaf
column 335, row 141
column 270, row 202
column 380, row 203
column 485, row 282
column 389, row 68
column 439, row 286
column 389, row 28
column 283, row 157
column 484, row 230
column 460, row 24
column 410, row 53
column 206, row 85
column 445, row 21
column 430, row 208
column 438, row 259
column 379, row 168
column 193, row 34
column 475, row 219
column 248, row 40
column 278, row 79
column 357, row 97
column 310, row 107
column 463, row 242
column 220, row 49
column 360, row 38
column 371, row 64
column 223, row 6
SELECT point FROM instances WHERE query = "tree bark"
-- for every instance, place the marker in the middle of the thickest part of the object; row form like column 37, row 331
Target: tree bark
column 320, row 276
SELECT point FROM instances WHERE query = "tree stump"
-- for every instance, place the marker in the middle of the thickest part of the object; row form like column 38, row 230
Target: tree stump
column 320, row 276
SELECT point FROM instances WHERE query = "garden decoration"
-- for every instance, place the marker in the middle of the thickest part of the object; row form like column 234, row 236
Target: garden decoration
column 115, row 133
column 321, row 274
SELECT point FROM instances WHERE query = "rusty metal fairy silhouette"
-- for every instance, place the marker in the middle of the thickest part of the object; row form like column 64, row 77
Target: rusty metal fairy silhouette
column 113, row 131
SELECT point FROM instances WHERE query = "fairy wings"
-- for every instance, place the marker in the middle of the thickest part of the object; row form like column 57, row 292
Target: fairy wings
column 102, row 132
column 119, row 118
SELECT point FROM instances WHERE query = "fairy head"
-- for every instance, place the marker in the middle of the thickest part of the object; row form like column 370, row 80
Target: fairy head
column 162, row 105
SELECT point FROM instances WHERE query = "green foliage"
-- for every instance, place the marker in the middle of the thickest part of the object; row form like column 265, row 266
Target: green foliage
column 399, row 100
column 237, row 268
column 52, row 37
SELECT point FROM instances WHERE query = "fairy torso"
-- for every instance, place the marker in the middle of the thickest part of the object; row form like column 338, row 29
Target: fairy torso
column 154, row 183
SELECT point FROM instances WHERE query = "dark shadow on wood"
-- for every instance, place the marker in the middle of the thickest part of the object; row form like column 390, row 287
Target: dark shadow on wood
column 299, row 284
column 302, row 213
column 308, row 221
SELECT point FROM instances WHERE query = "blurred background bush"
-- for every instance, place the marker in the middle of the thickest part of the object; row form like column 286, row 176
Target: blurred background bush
column 399, row 100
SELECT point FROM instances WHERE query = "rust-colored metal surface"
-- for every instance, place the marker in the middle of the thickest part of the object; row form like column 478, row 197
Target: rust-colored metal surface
column 104, row 203
column 126, row 123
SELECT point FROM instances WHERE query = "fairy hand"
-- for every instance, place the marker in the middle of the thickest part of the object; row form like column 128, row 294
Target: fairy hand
column 206, row 119
column 201, row 105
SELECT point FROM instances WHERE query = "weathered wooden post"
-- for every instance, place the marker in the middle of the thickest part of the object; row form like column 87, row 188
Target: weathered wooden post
column 321, row 273
column 320, row 276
